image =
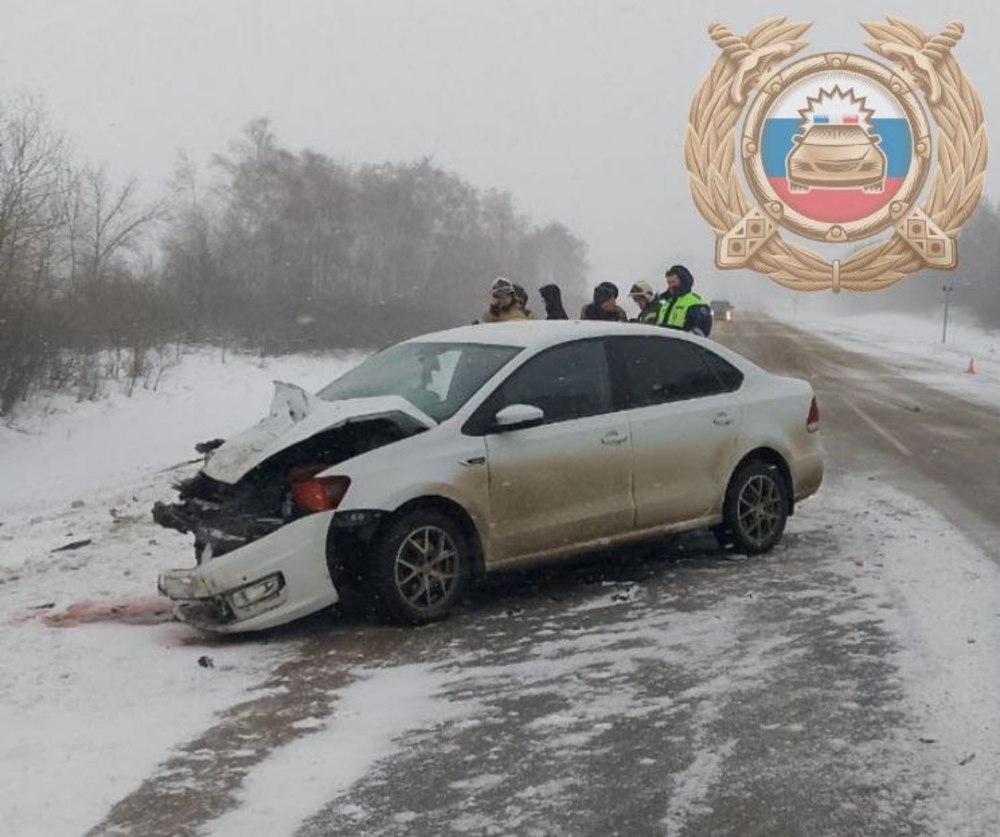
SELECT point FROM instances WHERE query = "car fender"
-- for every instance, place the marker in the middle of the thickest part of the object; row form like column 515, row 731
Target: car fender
column 784, row 431
column 439, row 463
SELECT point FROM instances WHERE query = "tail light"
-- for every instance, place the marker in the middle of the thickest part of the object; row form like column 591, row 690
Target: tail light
column 812, row 422
column 318, row 494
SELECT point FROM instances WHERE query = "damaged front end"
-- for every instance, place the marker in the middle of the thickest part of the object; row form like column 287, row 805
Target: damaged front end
column 260, row 510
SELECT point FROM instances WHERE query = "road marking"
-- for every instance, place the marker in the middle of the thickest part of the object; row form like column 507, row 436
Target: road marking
column 885, row 434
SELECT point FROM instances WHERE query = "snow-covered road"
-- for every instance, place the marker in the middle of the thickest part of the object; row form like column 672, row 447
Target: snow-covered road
column 842, row 684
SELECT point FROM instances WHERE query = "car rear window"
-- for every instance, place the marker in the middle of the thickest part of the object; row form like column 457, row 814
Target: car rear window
column 730, row 378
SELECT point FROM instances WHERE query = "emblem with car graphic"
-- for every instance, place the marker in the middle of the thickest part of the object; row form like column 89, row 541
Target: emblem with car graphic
column 837, row 148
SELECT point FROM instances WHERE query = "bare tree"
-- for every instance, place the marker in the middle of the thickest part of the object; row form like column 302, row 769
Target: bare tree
column 106, row 224
column 31, row 161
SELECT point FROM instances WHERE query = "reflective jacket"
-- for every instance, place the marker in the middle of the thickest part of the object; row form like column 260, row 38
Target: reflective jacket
column 676, row 311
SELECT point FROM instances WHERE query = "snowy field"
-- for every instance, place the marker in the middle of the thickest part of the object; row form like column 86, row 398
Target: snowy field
column 98, row 685
column 914, row 344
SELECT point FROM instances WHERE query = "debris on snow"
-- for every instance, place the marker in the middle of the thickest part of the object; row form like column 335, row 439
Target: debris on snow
column 73, row 545
column 207, row 447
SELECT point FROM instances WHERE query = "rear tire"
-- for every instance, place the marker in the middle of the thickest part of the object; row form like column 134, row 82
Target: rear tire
column 420, row 563
column 756, row 508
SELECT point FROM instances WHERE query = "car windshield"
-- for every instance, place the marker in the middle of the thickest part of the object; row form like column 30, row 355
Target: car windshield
column 437, row 378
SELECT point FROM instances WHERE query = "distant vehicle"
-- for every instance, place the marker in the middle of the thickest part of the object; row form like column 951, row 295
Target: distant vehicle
column 836, row 156
column 482, row 448
column 722, row 309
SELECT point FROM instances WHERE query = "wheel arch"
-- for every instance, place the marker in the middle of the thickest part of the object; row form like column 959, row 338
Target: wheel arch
column 453, row 510
column 769, row 456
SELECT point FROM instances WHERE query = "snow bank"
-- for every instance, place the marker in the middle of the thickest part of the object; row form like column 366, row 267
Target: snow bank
column 87, row 710
column 57, row 450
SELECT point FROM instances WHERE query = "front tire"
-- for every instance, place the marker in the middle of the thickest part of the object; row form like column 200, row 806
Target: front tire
column 420, row 564
column 756, row 508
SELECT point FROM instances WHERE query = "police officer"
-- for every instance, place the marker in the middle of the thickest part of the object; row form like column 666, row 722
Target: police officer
column 682, row 308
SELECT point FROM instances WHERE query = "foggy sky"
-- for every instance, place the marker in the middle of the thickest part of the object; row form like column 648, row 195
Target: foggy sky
column 577, row 108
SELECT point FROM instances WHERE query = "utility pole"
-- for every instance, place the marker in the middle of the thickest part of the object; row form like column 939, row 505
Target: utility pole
column 947, row 298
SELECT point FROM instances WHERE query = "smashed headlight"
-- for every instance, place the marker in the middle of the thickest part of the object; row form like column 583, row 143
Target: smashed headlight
column 260, row 591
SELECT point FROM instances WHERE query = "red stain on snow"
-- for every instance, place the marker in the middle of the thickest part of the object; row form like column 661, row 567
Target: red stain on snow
column 146, row 611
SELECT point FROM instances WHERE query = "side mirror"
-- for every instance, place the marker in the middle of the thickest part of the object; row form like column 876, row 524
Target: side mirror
column 518, row 416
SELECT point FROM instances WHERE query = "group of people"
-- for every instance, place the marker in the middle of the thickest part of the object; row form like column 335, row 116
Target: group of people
column 676, row 307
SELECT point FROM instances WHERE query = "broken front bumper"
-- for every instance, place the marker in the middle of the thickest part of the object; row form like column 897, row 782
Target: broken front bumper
column 270, row 581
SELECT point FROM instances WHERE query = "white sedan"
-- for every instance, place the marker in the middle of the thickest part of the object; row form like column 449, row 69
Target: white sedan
column 488, row 447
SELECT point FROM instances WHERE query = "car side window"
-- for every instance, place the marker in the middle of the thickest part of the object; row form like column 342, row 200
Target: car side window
column 567, row 382
column 659, row 370
column 730, row 378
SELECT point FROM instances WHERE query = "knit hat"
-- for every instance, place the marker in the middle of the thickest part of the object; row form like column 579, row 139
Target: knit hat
column 605, row 291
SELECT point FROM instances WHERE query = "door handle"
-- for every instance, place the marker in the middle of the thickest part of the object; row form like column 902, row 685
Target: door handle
column 722, row 419
column 613, row 437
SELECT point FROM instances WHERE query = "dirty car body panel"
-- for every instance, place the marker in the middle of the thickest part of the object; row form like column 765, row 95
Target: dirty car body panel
column 619, row 451
column 287, row 566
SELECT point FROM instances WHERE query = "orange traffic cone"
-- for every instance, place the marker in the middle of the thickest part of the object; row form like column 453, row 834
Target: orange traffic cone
column 971, row 368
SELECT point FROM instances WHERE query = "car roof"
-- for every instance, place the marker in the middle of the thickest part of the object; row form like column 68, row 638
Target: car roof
column 530, row 334
column 534, row 334
column 538, row 334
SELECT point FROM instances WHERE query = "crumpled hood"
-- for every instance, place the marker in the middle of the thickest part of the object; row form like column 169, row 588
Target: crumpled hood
column 297, row 415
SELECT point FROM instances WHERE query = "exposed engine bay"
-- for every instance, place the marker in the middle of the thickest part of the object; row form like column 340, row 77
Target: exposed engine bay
column 283, row 486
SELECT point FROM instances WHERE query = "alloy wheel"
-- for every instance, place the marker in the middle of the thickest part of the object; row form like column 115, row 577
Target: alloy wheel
column 426, row 568
column 759, row 509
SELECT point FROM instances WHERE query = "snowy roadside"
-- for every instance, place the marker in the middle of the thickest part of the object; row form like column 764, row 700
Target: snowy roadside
column 936, row 594
column 913, row 345
column 97, row 684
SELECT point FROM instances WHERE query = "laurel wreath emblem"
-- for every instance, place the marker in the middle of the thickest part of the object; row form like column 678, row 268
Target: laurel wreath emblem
column 924, row 62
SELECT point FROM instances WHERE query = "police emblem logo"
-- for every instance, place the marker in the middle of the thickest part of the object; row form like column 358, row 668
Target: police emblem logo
column 837, row 148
